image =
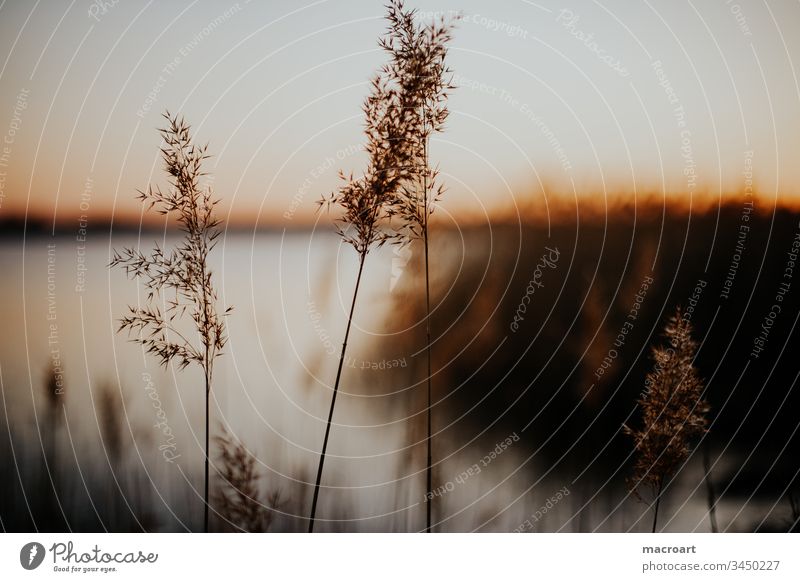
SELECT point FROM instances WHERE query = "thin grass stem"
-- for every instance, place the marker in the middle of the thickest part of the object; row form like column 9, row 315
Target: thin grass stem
column 333, row 398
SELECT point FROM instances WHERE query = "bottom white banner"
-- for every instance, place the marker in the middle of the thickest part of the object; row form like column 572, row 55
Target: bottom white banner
column 355, row 557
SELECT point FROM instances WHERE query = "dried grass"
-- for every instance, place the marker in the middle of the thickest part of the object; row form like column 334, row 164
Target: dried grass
column 181, row 279
column 673, row 412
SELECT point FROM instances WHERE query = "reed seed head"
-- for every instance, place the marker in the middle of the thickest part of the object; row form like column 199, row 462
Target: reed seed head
column 673, row 408
column 181, row 278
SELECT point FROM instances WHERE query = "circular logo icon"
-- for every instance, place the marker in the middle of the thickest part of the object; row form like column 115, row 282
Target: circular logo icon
column 31, row 555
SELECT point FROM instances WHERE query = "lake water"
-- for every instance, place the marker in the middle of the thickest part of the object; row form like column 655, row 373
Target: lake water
column 272, row 388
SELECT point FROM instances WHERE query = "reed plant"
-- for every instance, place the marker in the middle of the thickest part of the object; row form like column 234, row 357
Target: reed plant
column 111, row 417
column 366, row 203
column 711, row 494
column 179, row 282
column 418, row 69
column 794, row 505
column 54, row 512
column 238, row 498
column 673, row 412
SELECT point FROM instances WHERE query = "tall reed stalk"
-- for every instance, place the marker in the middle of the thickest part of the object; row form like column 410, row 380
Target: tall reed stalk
column 54, row 516
column 711, row 495
column 418, row 53
column 367, row 202
column 673, row 412
column 181, row 279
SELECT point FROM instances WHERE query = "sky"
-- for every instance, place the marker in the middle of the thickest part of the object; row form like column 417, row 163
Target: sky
column 595, row 100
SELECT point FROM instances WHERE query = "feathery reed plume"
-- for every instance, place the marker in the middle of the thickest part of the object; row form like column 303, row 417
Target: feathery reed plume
column 673, row 411
column 418, row 70
column 180, row 278
column 238, row 497
column 367, row 202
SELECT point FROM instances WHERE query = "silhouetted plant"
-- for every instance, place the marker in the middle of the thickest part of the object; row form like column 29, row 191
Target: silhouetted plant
column 55, row 396
column 121, row 492
column 418, row 70
column 366, row 202
column 238, row 497
column 711, row 495
column 110, row 409
column 794, row 506
column 673, row 412
column 54, row 514
column 180, row 279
